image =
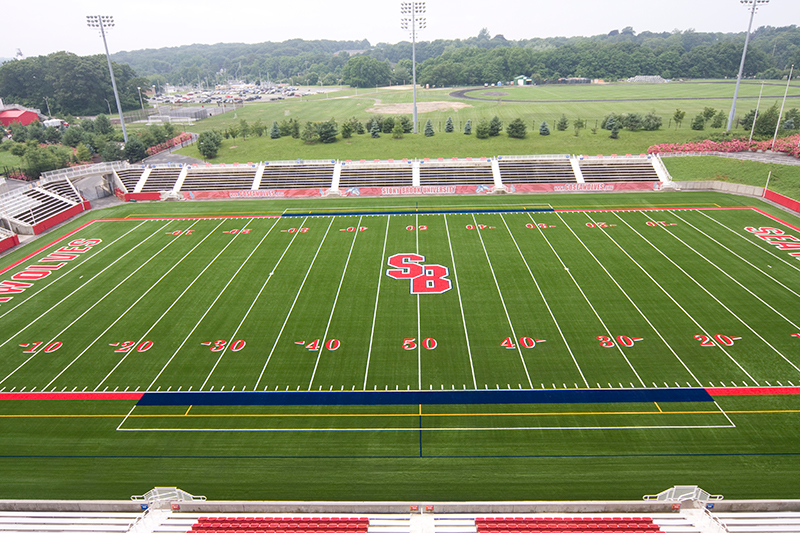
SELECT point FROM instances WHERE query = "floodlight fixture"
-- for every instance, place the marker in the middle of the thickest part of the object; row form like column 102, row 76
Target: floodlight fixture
column 104, row 22
column 753, row 5
column 412, row 22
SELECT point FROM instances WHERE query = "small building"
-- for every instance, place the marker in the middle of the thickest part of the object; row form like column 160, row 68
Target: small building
column 23, row 116
column 522, row 80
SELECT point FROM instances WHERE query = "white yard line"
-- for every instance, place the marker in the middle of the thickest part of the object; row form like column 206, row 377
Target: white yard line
column 586, row 298
column 174, row 303
column 624, row 292
column 769, row 250
column 502, row 300
column 541, row 294
column 335, row 300
column 745, row 324
column 377, row 296
column 665, row 256
column 419, row 322
column 75, row 266
column 82, row 286
column 120, row 317
column 712, row 239
column 232, row 338
column 296, row 297
column 460, row 304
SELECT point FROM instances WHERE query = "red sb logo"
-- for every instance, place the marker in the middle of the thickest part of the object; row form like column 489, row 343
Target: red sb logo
column 425, row 279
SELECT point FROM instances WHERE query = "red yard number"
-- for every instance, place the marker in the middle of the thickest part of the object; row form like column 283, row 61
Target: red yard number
column 722, row 340
column 127, row 346
column 33, row 346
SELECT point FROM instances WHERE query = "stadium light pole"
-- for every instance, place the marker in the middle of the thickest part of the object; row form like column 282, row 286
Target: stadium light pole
column 753, row 7
column 412, row 22
column 103, row 22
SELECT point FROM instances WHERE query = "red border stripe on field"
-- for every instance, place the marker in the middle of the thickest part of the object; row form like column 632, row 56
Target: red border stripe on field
column 71, row 395
column 40, row 250
column 751, row 391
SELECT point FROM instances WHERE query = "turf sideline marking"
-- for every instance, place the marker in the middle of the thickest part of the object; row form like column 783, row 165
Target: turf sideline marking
column 769, row 250
column 123, row 313
column 84, row 284
column 580, row 289
column 144, row 335
column 335, row 301
column 745, row 324
column 601, row 265
column 260, row 291
column 709, row 237
column 75, row 265
column 460, row 304
column 377, row 296
column 668, row 258
column 541, row 294
column 646, row 273
column 296, row 297
column 502, row 300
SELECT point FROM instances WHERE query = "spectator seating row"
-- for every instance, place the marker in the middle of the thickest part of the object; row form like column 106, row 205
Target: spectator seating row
column 597, row 170
column 298, row 176
column 267, row 524
column 63, row 188
column 161, row 179
column 432, row 174
column 47, row 205
column 219, row 179
column 130, row 176
column 401, row 175
column 536, row 170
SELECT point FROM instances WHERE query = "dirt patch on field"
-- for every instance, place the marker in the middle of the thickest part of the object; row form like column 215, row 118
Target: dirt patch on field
column 494, row 94
column 422, row 107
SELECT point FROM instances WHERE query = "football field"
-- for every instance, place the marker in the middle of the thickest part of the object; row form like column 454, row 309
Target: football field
column 363, row 334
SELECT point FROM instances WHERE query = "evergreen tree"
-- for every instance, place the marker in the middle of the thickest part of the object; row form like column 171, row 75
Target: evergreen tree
column 408, row 126
column 448, row 126
column 209, row 143
column 398, row 130
column 517, row 129
column 347, row 130
column 428, row 129
column 482, row 130
column 274, row 131
column 544, row 129
column 375, row 131
column 562, row 123
column 258, row 128
column 614, row 131
column 388, row 125
column 495, row 127
column 327, row 131
column 134, row 150
column 651, row 121
column 468, row 127
column 309, row 134
column 699, row 122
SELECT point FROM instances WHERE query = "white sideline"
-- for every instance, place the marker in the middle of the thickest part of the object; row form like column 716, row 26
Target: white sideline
column 460, row 304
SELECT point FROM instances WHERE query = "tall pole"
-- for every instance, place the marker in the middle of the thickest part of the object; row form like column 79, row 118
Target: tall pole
column 99, row 21
column 780, row 114
column 755, row 4
column 755, row 117
column 410, row 23
column 139, row 89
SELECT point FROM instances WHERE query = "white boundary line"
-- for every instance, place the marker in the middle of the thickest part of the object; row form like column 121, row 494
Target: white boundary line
column 460, row 304
column 335, row 301
column 75, row 266
column 297, row 296
column 260, row 291
column 665, row 256
column 139, row 299
column 419, row 324
column 377, row 296
column 502, row 300
column 649, row 323
column 547, row 305
column 175, row 302
column 580, row 289
column 745, row 324
column 84, row 284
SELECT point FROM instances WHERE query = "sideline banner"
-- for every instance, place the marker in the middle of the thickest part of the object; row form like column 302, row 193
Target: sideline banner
column 780, row 199
column 586, row 187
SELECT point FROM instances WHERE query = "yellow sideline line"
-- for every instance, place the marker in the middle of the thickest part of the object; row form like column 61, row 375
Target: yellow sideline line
column 400, row 415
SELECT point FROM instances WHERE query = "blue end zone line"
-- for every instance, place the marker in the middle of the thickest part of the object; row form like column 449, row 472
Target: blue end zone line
column 421, row 212
column 475, row 397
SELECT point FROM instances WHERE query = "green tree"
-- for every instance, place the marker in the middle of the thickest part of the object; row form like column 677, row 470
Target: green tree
column 633, row 121
column 516, row 129
column 38, row 160
column 482, row 130
column 428, row 129
column 708, row 113
column 562, row 123
column 244, row 128
column 448, row 126
column 408, row 125
column 259, row 128
column 699, row 122
column 678, row 117
column 233, row 131
column 495, row 126
column 347, row 129
column 614, row 131
column 398, row 131
column 111, row 152
column 767, row 121
column 388, row 125
column 84, row 154
column 719, row 120
column 327, row 131
column 52, row 135
column 134, row 149
column 375, row 130
column 366, row 71
column 468, row 127
column 18, row 149
column 209, row 143
column 651, row 121
column 285, row 128
column 544, row 129
column 102, row 125
column 309, row 134
column 578, row 125
column 274, row 131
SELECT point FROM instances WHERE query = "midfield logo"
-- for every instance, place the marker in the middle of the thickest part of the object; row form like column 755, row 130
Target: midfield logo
column 425, row 279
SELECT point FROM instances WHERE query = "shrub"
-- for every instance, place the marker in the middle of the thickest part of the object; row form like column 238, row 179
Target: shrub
column 614, row 131
column 633, row 121
column 398, row 130
column 699, row 122
column 134, row 150
column 544, row 129
column 388, row 125
column 408, row 125
column 651, row 122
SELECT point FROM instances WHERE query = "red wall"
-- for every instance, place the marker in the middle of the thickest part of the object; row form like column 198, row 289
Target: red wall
column 785, row 201
column 8, row 242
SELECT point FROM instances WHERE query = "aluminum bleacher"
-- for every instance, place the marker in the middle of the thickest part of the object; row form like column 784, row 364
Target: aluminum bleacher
column 72, row 522
column 130, row 176
column 63, row 188
column 376, row 175
column 612, row 169
column 433, row 173
column 46, row 205
column 161, row 179
column 236, row 177
column 299, row 175
column 542, row 169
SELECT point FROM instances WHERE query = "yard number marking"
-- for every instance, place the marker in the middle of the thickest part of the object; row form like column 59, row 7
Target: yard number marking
column 127, row 346
column 722, row 340
column 218, row 346
column 33, row 346
column 526, row 342
column 622, row 340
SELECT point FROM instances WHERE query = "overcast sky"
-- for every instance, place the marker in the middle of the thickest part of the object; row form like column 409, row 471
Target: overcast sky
column 48, row 26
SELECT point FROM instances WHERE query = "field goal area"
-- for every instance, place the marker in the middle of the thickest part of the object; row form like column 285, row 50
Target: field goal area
column 410, row 321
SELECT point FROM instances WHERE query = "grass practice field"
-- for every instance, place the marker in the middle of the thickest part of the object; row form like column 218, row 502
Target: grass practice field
column 540, row 347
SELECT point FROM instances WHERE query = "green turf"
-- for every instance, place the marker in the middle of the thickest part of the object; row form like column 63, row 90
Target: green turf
column 204, row 287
